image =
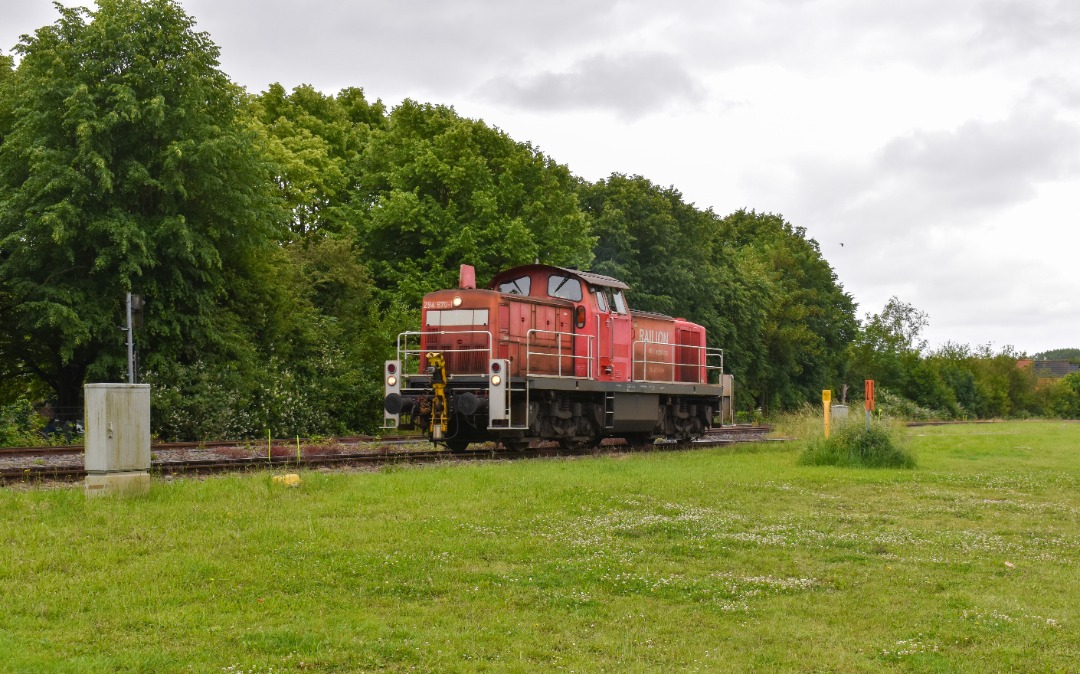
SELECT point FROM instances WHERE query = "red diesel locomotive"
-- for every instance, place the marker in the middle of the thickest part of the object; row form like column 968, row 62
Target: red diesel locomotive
column 547, row 353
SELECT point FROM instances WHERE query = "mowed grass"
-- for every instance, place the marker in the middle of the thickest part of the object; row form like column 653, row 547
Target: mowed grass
column 733, row 559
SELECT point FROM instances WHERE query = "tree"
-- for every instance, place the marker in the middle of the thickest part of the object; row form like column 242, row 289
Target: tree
column 127, row 163
column 808, row 320
column 759, row 286
column 675, row 261
column 1059, row 354
column 889, row 343
column 317, row 141
column 438, row 190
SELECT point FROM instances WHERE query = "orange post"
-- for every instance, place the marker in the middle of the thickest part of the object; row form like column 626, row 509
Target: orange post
column 869, row 401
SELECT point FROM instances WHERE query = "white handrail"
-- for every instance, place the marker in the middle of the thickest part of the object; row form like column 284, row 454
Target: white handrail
column 529, row 353
column 405, row 353
column 706, row 357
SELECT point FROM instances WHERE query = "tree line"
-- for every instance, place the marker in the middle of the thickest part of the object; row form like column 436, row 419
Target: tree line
column 283, row 239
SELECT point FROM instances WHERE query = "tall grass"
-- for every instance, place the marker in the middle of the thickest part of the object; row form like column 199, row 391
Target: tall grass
column 854, row 445
column 851, row 443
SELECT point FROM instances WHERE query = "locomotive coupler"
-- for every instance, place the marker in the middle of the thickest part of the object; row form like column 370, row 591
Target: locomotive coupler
column 439, row 417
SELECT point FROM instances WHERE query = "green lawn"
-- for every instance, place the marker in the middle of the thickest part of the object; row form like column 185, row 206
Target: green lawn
column 720, row 560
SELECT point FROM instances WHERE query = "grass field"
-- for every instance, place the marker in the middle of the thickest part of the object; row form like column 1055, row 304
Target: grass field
column 718, row 560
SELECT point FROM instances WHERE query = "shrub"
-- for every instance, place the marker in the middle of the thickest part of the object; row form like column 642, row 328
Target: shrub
column 20, row 425
column 854, row 445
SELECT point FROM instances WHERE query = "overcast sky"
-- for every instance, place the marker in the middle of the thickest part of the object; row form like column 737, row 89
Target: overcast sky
column 931, row 147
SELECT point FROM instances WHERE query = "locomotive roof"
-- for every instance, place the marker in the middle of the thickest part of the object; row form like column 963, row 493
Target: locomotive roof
column 586, row 276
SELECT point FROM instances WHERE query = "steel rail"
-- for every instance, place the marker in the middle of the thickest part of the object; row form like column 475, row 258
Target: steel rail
column 370, row 458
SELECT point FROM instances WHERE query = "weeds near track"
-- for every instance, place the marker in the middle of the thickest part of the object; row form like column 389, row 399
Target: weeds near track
column 854, row 445
column 851, row 443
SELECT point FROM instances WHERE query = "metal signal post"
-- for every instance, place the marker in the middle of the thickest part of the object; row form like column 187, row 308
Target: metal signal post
column 134, row 310
column 130, row 344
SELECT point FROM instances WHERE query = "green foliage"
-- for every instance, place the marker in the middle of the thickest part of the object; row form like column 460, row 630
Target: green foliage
column 758, row 285
column 952, row 382
column 306, row 336
column 317, row 142
column 1060, row 397
column 20, row 424
column 437, row 190
column 853, row 445
column 888, row 344
column 125, row 165
column 809, row 319
column 1059, row 354
column 895, row 406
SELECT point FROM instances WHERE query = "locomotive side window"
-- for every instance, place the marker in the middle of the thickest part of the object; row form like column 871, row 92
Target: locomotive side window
column 564, row 287
column 620, row 302
column 519, row 286
column 601, row 301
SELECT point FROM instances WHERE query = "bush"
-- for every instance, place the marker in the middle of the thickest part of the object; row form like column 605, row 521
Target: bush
column 20, row 425
column 853, row 445
column 900, row 407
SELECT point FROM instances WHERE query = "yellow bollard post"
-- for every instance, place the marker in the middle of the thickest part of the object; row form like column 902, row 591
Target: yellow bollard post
column 826, row 401
column 269, row 459
column 298, row 450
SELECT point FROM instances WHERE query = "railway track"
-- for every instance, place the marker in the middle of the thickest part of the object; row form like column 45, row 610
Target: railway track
column 40, row 464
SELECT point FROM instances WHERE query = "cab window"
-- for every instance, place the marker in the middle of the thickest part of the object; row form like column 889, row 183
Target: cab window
column 620, row 302
column 564, row 287
column 519, row 286
column 601, row 301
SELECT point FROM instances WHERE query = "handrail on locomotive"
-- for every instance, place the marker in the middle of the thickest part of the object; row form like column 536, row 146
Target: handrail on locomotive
column 702, row 356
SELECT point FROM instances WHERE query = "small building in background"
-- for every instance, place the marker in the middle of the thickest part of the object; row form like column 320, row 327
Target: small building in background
column 1049, row 369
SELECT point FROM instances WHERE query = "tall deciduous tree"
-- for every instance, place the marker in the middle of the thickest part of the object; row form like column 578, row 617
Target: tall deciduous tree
column 809, row 319
column 126, row 164
column 317, row 141
column 438, row 190
column 758, row 284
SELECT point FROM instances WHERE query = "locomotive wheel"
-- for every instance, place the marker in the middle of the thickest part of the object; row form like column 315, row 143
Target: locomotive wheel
column 457, row 446
column 579, row 444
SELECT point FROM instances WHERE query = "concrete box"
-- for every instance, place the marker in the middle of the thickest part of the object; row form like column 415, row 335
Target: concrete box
column 839, row 412
column 117, row 484
column 117, row 428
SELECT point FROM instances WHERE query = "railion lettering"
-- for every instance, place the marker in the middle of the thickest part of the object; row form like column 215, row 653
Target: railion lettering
column 653, row 336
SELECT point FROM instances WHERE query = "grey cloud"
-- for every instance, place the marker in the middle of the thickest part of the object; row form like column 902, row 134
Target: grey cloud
column 931, row 179
column 404, row 46
column 983, row 165
column 631, row 85
column 1055, row 91
column 1028, row 25
column 928, row 34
